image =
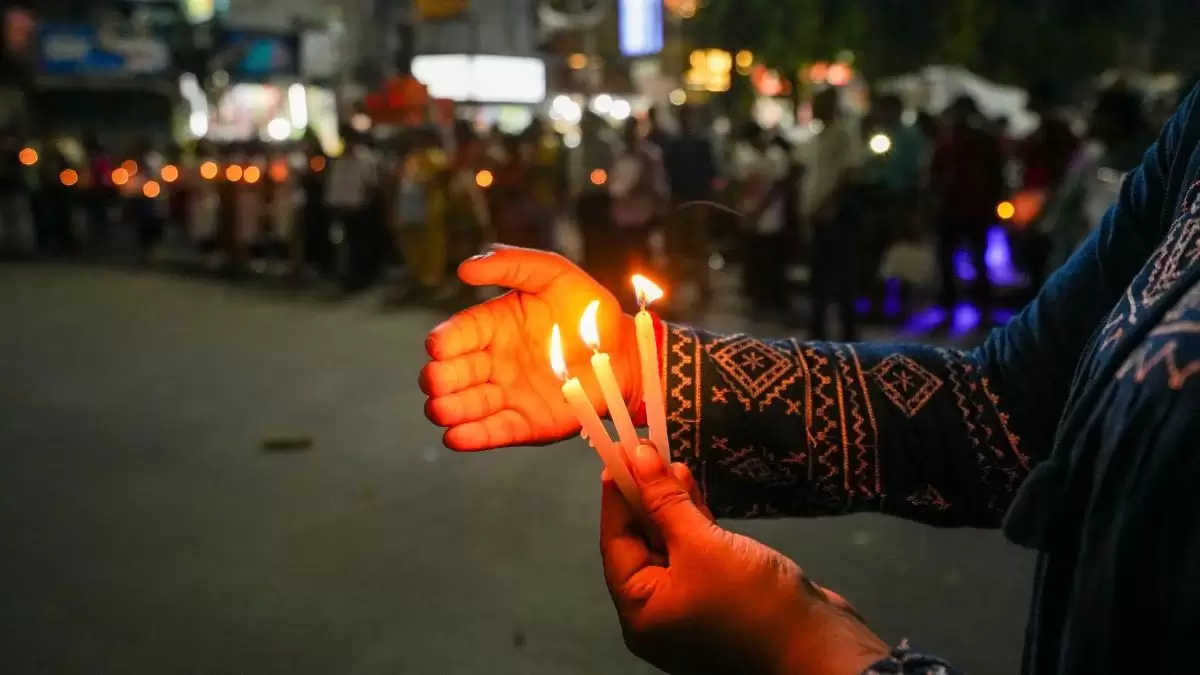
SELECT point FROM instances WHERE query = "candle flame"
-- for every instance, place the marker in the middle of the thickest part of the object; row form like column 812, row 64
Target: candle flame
column 588, row 328
column 557, row 362
column 647, row 291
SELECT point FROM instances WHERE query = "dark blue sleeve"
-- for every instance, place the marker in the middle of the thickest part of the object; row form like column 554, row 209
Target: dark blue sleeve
column 941, row 436
column 904, row 661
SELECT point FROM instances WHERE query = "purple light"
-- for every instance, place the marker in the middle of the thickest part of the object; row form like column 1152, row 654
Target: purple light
column 966, row 319
column 925, row 321
column 862, row 306
column 892, row 305
column 997, row 256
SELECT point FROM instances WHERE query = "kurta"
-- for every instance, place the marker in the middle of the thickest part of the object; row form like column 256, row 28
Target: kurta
column 1075, row 427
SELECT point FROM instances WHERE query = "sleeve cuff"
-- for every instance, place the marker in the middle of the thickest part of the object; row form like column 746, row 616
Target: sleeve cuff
column 660, row 340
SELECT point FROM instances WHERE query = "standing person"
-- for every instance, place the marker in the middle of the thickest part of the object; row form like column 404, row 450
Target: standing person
column 1073, row 429
column 691, row 173
column 762, row 169
column 542, row 150
column 312, row 164
column 15, row 238
column 419, row 218
column 101, row 195
column 831, row 159
column 639, row 191
column 348, row 196
column 967, row 177
column 511, row 197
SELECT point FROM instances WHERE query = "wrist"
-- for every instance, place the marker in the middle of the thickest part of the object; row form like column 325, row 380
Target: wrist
column 830, row 641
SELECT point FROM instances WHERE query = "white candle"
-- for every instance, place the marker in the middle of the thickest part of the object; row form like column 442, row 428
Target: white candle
column 613, row 456
column 602, row 367
column 652, row 391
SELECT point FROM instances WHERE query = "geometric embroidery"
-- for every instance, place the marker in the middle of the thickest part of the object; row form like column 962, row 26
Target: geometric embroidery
column 907, row 384
column 750, row 364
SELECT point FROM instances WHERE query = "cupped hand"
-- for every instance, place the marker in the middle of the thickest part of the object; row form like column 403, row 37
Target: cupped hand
column 709, row 601
column 489, row 380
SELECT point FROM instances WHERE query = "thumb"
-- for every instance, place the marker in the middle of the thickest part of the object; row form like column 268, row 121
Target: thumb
column 667, row 501
column 522, row 269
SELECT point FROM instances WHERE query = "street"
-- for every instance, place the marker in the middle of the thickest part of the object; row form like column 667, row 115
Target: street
column 146, row 530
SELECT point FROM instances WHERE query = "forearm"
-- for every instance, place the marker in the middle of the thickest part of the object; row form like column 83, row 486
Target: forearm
column 788, row 428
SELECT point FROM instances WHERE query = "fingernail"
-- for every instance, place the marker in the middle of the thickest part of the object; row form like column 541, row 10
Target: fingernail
column 480, row 256
column 648, row 465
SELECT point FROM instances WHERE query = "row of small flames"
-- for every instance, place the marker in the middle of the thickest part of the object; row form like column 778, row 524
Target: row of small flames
column 209, row 170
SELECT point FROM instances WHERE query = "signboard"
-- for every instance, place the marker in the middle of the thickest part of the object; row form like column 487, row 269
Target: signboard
column 482, row 79
column 640, row 27
column 433, row 10
column 255, row 55
column 69, row 49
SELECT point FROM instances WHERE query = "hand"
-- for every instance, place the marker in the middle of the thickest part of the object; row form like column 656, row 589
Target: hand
column 490, row 381
column 714, row 601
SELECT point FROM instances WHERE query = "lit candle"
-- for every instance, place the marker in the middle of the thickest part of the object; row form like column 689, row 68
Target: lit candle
column 652, row 391
column 611, row 454
column 602, row 367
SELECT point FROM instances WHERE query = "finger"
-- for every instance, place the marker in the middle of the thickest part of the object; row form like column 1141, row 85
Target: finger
column 472, row 405
column 467, row 331
column 439, row 378
column 500, row 430
column 623, row 551
column 522, row 269
column 684, row 476
column 666, row 500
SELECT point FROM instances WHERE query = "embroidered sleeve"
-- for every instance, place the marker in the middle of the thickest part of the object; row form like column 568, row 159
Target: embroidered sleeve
column 789, row 428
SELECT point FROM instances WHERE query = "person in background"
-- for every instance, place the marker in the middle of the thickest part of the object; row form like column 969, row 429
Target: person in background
column 691, row 168
column 511, row 198
column 100, row 195
column 1047, row 153
column 640, row 195
column 831, row 161
column 348, row 195
column 312, row 164
column 52, row 203
column 15, row 239
column 419, row 218
column 542, row 149
column 761, row 169
column 967, row 179
column 1117, row 135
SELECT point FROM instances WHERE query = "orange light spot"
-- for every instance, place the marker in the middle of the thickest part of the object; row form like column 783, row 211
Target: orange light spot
column 317, row 163
column 1005, row 210
column 151, row 189
column 599, row 177
column 130, row 166
column 233, row 173
column 484, row 179
column 120, row 177
column 28, row 156
column 279, row 172
column 170, row 173
column 208, row 170
column 251, row 174
column 68, row 177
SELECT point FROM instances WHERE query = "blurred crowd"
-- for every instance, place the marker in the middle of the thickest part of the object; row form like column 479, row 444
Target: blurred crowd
column 833, row 209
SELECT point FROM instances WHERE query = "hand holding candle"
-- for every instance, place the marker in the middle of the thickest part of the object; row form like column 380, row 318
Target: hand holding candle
column 602, row 367
column 613, row 456
column 652, row 391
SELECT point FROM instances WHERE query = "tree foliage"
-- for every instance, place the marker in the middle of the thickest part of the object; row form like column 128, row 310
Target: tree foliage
column 1019, row 41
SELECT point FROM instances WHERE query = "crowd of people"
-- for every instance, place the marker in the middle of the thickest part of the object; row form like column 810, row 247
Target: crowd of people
column 834, row 200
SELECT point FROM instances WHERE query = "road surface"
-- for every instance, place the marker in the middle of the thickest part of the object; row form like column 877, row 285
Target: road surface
column 145, row 530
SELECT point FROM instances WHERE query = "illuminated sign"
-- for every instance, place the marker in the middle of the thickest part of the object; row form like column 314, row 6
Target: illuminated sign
column 441, row 9
column 640, row 27
column 482, row 79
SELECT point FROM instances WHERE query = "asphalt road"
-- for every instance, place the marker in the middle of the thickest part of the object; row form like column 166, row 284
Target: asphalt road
column 144, row 530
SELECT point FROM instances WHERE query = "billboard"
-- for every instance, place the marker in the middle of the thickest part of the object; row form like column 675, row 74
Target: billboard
column 640, row 27
column 79, row 49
